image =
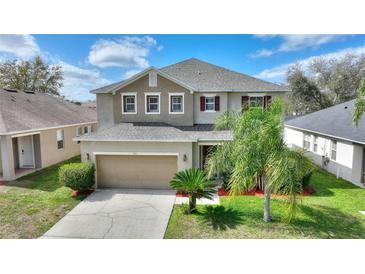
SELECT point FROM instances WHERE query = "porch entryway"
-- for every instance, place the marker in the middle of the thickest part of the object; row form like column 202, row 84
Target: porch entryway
column 204, row 152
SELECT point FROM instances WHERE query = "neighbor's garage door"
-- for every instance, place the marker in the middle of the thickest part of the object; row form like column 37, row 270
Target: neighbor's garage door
column 131, row 171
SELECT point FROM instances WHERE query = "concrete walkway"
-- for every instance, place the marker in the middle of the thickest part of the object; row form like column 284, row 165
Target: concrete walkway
column 118, row 214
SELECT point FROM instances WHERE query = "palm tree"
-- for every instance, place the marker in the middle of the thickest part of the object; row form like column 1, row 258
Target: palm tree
column 258, row 156
column 195, row 183
column 359, row 103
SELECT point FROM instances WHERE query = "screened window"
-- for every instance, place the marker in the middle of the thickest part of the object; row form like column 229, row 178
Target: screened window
column 78, row 131
column 209, row 104
column 306, row 141
column 333, row 150
column 60, row 139
column 153, row 104
column 176, row 103
column 256, row 101
column 315, row 144
column 129, row 104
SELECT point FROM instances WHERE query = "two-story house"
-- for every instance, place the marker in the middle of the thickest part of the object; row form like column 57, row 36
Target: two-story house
column 160, row 121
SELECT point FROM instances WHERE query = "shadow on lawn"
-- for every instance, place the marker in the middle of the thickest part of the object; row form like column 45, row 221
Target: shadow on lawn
column 221, row 218
column 327, row 222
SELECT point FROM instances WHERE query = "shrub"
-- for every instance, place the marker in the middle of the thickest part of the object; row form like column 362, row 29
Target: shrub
column 77, row 176
column 306, row 179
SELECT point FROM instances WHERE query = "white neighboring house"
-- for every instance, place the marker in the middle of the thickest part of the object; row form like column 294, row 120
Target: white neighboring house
column 332, row 140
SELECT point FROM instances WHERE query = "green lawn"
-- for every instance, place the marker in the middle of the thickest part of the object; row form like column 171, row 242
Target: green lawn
column 34, row 203
column 332, row 212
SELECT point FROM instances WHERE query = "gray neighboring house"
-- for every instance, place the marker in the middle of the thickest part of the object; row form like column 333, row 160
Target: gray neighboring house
column 37, row 130
column 332, row 140
column 160, row 121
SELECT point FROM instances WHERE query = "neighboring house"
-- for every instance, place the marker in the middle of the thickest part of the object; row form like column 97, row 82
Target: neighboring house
column 37, row 130
column 160, row 121
column 332, row 140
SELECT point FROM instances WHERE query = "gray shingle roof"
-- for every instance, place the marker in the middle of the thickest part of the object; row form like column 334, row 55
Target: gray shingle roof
column 156, row 132
column 333, row 121
column 26, row 111
column 206, row 76
column 203, row 76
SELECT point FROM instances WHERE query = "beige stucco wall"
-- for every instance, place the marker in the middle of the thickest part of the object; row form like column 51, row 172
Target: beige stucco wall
column 50, row 154
column 110, row 106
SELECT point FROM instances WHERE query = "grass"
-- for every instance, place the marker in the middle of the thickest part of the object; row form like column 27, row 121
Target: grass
column 32, row 204
column 331, row 212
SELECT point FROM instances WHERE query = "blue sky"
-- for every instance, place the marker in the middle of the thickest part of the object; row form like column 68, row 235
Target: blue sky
column 91, row 61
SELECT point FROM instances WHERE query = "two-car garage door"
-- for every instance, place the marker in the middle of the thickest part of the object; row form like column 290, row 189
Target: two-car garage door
column 135, row 171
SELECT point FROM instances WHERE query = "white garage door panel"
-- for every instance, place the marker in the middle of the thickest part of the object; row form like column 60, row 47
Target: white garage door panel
column 135, row 171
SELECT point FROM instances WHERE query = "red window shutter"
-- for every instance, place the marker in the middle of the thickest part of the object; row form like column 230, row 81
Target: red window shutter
column 216, row 103
column 245, row 100
column 202, row 103
column 267, row 101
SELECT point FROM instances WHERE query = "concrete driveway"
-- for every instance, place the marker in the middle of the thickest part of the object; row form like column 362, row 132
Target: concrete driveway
column 117, row 213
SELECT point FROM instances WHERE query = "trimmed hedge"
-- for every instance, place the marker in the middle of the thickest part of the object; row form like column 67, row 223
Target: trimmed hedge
column 77, row 176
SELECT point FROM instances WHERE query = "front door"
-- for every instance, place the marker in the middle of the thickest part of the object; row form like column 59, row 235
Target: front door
column 26, row 151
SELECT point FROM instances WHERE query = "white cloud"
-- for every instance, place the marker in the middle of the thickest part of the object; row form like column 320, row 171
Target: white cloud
column 262, row 53
column 295, row 43
column 125, row 52
column 79, row 81
column 21, row 45
column 130, row 73
column 278, row 73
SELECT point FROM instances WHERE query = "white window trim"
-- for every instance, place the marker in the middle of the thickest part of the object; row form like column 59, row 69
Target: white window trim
column 63, row 139
column 135, row 102
column 78, row 131
column 182, row 103
column 331, row 148
column 145, row 102
column 315, row 137
column 205, row 103
column 263, row 100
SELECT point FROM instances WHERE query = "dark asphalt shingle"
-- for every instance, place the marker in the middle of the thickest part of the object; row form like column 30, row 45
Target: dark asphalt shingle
column 335, row 121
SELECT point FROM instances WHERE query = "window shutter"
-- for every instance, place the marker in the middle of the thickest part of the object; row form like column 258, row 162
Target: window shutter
column 245, row 101
column 202, row 103
column 267, row 101
column 216, row 103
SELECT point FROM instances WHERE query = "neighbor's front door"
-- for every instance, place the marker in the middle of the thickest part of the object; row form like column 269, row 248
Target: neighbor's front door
column 26, row 151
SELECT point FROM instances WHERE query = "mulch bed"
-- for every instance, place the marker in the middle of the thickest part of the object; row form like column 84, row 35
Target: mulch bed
column 306, row 192
column 76, row 193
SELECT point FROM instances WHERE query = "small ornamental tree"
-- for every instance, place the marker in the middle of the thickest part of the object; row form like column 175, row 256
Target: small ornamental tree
column 195, row 183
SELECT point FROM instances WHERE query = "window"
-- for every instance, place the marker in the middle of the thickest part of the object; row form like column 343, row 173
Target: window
column 209, row 104
column 315, row 144
column 78, row 131
column 89, row 129
column 176, row 103
column 256, row 101
column 60, row 139
column 333, row 150
column 306, row 141
column 152, row 103
column 129, row 105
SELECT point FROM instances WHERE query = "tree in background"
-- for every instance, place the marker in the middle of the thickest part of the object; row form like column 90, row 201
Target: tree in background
column 34, row 75
column 324, row 82
column 359, row 103
column 258, row 156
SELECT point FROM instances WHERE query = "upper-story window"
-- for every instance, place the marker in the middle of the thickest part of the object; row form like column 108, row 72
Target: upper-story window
column 333, row 150
column 176, row 103
column 152, row 101
column 129, row 103
column 209, row 103
column 306, row 141
column 256, row 101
